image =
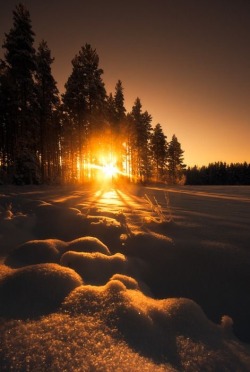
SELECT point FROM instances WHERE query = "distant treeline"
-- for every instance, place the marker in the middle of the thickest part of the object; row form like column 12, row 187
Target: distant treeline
column 219, row 173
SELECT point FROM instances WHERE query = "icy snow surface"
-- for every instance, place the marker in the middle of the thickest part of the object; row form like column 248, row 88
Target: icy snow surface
column 107, row 278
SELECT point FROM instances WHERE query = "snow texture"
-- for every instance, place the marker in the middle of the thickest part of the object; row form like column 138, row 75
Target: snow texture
column 95, row 268
column 88, row 244
column 35, row 252
column 137, row 279
column 35, row 290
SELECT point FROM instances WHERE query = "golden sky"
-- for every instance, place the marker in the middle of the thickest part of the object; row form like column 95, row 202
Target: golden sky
column 187, row 60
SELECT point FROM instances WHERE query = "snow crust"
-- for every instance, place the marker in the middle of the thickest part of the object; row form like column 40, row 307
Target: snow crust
column 148, row 279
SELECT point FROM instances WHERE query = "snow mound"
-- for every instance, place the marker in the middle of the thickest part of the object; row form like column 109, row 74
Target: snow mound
column 95, row 268
column 35, row 252
column 144, row 244
column 184, row 270
column 131, row 283
column 88, row 244
column 108, row 232
column 173, row 330
column 35, row 290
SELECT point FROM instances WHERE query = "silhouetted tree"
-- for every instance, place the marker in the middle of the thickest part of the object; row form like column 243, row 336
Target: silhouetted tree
column 84, row 103
column 119, row 127
column 175, row 160
column 110, row 109
column 39, row 137
column 219, row 173
column 22, row 120
column 48, row 104
column 159, row 152
column 112, row 131
column 139, row 135
column 6, row 132
column 119, row 102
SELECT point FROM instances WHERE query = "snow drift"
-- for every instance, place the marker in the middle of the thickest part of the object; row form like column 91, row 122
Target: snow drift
column 35, row 252
column 35, row 290
column 88, row 244
column 95, row 268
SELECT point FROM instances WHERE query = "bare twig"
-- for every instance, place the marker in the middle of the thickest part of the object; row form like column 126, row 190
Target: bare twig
column 156, row 208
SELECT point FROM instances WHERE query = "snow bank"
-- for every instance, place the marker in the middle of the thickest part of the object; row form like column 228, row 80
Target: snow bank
column 35, row 290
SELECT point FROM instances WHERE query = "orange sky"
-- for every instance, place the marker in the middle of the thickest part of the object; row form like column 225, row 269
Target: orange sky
column 187, row 60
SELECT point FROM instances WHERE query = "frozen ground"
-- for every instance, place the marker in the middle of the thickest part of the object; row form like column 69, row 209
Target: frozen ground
column 164, row 286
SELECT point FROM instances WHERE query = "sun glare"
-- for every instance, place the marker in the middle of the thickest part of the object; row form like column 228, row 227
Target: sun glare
column 105, row 169
column 110, row 170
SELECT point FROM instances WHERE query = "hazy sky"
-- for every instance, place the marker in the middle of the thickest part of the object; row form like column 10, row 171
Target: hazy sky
column 187, row 60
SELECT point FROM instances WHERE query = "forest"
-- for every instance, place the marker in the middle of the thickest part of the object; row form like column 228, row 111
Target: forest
column 219, row 173
column 85, row 133
column 80, row 135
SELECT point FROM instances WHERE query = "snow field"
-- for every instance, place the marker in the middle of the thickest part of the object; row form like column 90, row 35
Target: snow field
column 169, row 296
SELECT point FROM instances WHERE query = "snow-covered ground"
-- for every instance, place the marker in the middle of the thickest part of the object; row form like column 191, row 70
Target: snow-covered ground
column 111, row 278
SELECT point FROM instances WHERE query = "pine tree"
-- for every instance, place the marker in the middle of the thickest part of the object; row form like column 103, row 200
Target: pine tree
column 119, row 125
column 110, row 110
column 119, row 102
column 48, row 103
column 22, row 115
column 110, row 138
column 84, row 102
column 159, row 152
column 133, row 142
column 6, row 132
column 175, row 160
column 139, row 136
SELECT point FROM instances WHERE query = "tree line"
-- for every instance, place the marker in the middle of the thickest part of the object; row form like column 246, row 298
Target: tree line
column 48, row 137
column 219, row 173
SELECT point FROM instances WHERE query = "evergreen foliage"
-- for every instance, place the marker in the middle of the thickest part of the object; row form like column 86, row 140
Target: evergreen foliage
column 159, row 150
column 219, row 173
column 175, row 161
column 21, row 124
column 140, row 128
column 119, row 102
column 84, row 105
column 117, row 122
column 42, row 140
column 45, row 140
column 48, row 106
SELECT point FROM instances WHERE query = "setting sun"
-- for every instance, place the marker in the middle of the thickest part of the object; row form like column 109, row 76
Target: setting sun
column 109, row 170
